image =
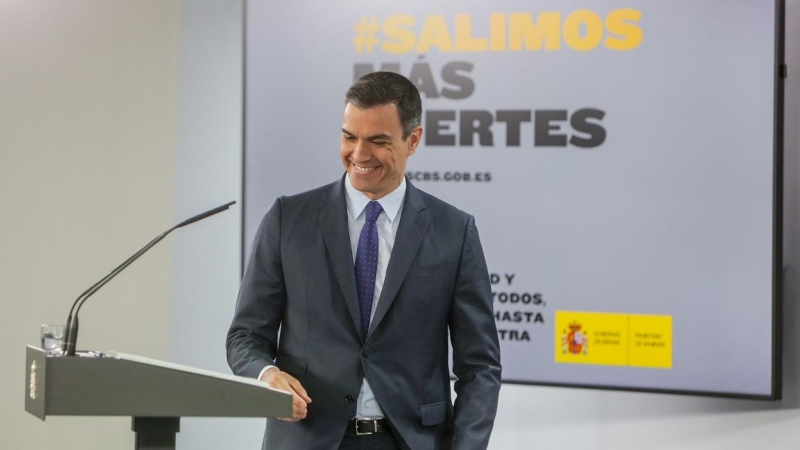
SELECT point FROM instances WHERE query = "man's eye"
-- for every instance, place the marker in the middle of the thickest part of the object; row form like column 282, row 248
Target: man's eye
column 349, row 138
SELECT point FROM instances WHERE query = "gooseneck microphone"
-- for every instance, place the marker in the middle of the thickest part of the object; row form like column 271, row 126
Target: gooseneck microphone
column 71, row 328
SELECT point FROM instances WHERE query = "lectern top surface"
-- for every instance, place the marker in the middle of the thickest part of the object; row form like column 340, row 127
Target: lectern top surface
column 183, row 368
column 195, row 370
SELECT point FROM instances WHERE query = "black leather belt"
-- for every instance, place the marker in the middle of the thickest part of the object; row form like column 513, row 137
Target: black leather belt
column 363, row 427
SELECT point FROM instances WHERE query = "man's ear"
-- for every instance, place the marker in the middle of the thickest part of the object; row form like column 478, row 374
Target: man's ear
column 414, row 139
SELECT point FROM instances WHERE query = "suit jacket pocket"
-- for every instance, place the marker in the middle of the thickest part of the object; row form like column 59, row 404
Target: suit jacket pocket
column 433, row 413
column 426, row 271
column 291, row 364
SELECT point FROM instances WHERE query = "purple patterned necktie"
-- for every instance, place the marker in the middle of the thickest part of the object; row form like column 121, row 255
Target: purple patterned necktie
column 367, row 264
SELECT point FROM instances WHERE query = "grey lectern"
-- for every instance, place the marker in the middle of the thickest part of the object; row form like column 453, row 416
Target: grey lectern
column 155, row 394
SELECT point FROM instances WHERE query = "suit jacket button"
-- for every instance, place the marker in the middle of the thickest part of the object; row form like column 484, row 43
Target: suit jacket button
column 365, row 353
column 349, row 399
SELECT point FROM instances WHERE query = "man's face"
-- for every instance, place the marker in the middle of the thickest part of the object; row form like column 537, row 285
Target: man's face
column 373, row 150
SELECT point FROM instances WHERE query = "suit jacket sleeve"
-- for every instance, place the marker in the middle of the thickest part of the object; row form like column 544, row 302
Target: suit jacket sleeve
column 476, row 350
column 253, row 336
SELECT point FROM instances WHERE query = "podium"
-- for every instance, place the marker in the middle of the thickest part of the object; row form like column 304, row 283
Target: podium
column 156, row 394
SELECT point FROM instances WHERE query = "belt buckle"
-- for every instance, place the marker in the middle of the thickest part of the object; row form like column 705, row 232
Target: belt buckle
column 374, row 427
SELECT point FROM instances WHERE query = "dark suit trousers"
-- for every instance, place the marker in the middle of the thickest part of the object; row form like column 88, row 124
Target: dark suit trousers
column 380, row 441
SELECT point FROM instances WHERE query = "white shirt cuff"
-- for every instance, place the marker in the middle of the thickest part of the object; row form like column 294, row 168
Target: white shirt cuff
column 263, row 371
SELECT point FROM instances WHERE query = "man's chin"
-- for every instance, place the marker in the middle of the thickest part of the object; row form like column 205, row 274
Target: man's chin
column 366, row 188
column 362, row 180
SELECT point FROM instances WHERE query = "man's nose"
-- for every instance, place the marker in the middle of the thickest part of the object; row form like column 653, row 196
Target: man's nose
column 361, row 151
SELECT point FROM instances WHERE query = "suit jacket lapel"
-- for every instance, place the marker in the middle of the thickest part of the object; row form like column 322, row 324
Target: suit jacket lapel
column 410, row 232
column 336, row 234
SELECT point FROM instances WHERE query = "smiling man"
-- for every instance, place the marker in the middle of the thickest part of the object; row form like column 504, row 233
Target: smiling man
column 353, row 289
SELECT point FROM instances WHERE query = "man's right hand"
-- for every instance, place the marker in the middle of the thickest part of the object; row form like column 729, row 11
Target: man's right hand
column 275, row 378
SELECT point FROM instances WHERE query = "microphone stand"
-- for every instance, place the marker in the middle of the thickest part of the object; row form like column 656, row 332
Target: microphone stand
column 71, row 328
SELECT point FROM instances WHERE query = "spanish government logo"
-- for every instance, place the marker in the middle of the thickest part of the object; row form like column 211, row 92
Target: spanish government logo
column 575, row 340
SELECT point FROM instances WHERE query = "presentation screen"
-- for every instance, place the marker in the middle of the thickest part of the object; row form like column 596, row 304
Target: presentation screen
column 620, row 159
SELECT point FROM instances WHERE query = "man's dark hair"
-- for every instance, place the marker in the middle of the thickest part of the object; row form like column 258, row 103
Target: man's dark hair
column 383, row 88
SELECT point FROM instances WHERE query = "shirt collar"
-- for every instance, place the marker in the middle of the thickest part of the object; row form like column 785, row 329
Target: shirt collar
column 357, row 201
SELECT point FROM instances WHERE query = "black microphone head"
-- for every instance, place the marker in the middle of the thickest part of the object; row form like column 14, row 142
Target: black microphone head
column 208, row 213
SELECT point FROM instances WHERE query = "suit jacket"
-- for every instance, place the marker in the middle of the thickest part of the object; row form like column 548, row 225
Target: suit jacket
column 298, row 307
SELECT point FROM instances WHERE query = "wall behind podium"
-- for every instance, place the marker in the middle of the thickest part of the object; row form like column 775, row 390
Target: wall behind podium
column 88, row 111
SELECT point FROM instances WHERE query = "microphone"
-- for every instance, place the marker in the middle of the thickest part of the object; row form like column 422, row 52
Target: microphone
column 71, row 328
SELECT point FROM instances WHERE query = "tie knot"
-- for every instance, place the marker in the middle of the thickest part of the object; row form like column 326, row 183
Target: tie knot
column 373, row 211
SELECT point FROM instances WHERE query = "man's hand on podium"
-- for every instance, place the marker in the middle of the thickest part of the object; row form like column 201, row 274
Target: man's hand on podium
column 275, row 378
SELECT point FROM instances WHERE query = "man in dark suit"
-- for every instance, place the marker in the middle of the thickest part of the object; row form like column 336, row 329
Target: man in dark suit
column 352, row 290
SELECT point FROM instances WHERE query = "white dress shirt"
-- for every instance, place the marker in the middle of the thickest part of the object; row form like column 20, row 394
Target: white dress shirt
column 388, row 220
column 392, row 205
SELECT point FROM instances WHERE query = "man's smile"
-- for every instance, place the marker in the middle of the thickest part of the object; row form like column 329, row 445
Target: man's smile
column 363, row 169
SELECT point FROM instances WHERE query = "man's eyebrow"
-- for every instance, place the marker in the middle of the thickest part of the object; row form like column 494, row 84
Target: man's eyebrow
column 374, row 137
